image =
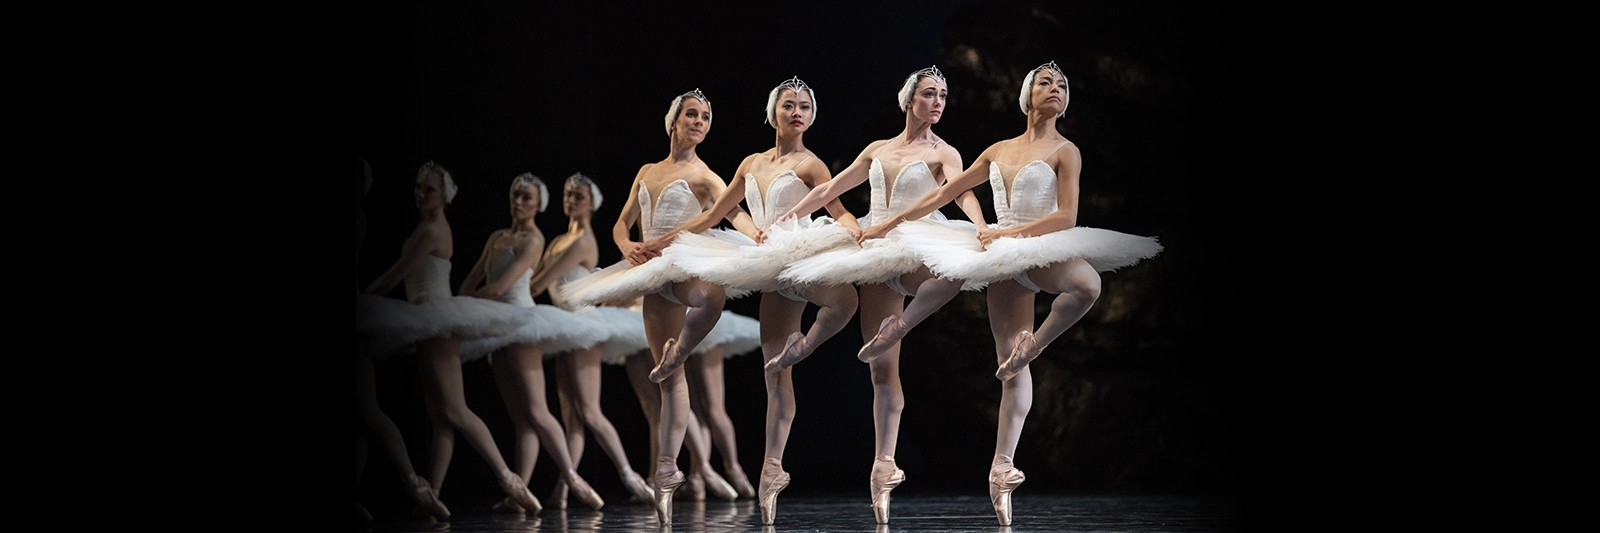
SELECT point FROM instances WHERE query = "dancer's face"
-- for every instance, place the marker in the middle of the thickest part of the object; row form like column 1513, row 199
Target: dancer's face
column 524, row 202
column 694, row 121
column 927, row 101
column 429, row 190
column 793, row 113
column 1049, row 92
column 575, row 201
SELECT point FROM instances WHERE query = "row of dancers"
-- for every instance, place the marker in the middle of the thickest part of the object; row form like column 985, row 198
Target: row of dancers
column 683, row 270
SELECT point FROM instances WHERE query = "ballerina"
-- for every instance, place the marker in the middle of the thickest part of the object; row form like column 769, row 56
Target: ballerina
column 1035, row 244
column 886, row 272
column 437, row 331
column 518, row 359
column 770, row 183
column 375, row 421
column 678, row 309
column 570, row 256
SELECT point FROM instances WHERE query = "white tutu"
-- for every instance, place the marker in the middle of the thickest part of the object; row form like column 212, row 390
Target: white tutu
column 622, row 281
column 394, row 328
column 736, row 262
column 559, row 330
column 625, row 328
column 736, row 333
column 951, row 250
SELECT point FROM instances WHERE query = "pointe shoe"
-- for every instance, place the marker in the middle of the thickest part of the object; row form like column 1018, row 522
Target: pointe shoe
column 773, row 480
column 428, row 503
column 790, row 354
column 717, row 486
column 585, row 493
column 558, row 496
column 697, row 487
column 507, row 505
column 741, row 483
column 1003, row 478
column 1023, row 350
column 638, row 490
column 517, row 491
column 666, row 483
column 890, row 331
column 669, row 362
column 885, row 477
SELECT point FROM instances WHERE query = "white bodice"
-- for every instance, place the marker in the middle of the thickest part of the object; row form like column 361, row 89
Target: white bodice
column 1031, row 197
column 676, row 207
column 429, row 281
column 784, row 193
column 555, row 288
column 913, row 182
column 518, row 293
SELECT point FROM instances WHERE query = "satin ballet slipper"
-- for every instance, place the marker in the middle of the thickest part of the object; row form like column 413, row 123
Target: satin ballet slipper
column 517, row 490
column 1003, row 478
column 666, row 483
column 638, row 489
column 890, row 331
column 885, row 477
column 741, row 483
column 558, row 496
column 507, row 505
column 428, row 503
column 1024, row 349
column 716, row 486
column 585, row 493
column 790, row 354
column 773, row 480
column 670, row 362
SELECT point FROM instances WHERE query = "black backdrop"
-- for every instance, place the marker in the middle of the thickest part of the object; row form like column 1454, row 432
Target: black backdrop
column 1141, row 396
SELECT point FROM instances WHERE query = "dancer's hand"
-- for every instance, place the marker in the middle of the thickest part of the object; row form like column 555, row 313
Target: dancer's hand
column 987, row 235
column 637, row 253
column 876, row 232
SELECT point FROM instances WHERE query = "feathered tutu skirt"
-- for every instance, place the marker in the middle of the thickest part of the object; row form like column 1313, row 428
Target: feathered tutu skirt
column 625, row 332
column 735, row 333
column 559, row 330
column 952, row 250
column 623, row 281
column 875, row 261
column 392, row 324
column 734, row 261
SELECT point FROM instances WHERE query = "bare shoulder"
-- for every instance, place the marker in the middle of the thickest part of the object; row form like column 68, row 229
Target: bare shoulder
column 1067, row 152
column 813, row 170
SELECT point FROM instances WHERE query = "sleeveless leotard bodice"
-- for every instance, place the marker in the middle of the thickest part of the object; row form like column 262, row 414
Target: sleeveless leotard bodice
column 518, row 293
column 429, row 281
column 676, row 207
column 1032, row 194
column 914, row 181
column 785, row 192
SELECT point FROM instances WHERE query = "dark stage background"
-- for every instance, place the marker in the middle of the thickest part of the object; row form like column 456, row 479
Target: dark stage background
column 1138, row 397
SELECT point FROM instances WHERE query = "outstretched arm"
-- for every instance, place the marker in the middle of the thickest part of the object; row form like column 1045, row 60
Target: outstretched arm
column 727, row 196
column 968, row 203
column 1067, row 165
column 963, row 182
column 816, row 175
column 830, row 190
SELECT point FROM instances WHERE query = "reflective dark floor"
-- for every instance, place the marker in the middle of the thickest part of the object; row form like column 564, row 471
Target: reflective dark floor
column 828, row 514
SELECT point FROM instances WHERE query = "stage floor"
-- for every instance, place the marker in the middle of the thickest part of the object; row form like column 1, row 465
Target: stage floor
column 930, row 514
